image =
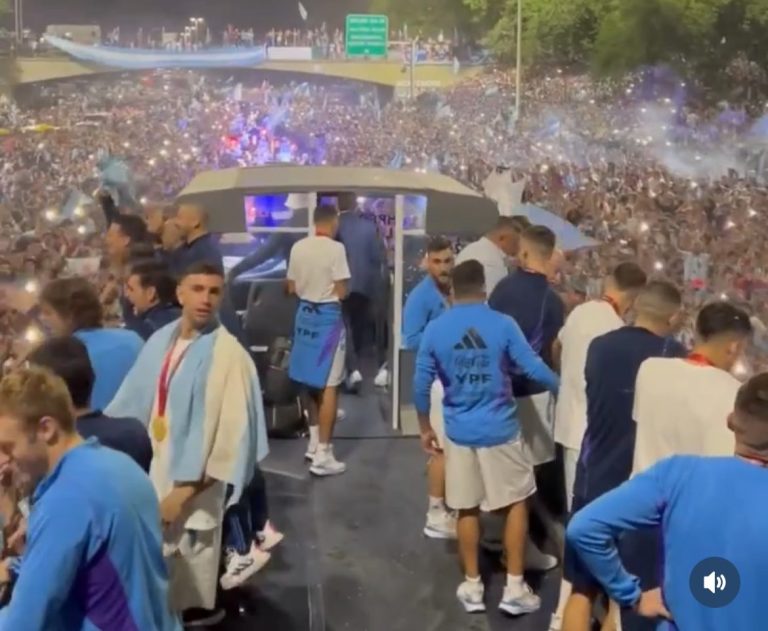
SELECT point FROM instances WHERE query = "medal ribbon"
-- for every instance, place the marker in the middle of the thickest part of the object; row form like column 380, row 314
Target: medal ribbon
column 699, row 360
column 613, row 304
column 166, row 375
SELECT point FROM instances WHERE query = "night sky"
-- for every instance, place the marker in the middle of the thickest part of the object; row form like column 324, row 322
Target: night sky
column 130, row 14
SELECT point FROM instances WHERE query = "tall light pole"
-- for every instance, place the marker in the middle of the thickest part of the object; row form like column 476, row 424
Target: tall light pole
column 519, row 61
column 18, row 15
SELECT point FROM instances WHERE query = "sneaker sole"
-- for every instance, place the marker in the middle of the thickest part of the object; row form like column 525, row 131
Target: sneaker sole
column 323, row 473
column 206, row 622
column 472, row 607
column 237, row 581
column 517, row 610
column 437, row 534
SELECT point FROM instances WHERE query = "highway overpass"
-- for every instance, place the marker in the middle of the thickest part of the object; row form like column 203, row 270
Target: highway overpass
column 385, row 73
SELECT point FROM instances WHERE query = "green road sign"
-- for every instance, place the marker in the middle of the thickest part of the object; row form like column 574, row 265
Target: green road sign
column 367, row 35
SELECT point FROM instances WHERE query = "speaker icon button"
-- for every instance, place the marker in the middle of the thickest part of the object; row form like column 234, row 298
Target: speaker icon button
column 715, row 582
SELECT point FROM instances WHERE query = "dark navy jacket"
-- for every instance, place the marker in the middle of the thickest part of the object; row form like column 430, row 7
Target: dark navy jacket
column 540, row 313
column 365, row 255
column 153, row 319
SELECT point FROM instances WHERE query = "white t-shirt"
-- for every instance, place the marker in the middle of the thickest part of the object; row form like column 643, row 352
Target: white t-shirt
column 490, row 256
column 316, row 263
column 586, row 322
column 682, row 408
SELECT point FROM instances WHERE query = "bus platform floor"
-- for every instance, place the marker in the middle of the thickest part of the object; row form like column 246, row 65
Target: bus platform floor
column 354, row 557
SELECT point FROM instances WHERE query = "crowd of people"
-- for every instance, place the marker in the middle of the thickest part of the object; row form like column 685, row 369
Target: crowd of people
column 653, row 178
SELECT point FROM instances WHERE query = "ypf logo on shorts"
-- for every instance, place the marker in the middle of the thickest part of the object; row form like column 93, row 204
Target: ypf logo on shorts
column 715, row 582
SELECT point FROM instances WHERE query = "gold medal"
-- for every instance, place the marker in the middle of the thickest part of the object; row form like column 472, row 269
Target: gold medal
column 159, row 428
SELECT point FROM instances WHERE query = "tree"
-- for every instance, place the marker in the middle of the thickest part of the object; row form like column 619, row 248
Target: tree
column 9, row 70
column 427, row 16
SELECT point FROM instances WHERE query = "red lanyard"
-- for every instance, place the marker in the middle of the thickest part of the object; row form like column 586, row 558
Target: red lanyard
column 166, row 375
column 699, row 360
column 613, row 304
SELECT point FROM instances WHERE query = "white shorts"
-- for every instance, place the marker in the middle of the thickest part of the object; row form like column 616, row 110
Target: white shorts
column 436, row 412
column 536, row 415
column 494, row 476
column 338, row 371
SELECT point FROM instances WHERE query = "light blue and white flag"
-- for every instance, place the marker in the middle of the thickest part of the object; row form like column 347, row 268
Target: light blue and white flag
column 303, row 12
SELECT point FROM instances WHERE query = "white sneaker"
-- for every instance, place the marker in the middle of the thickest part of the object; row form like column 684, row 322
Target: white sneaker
column 239, row 568
column 517, row 604
column 325, row 464
column 440, row 526
column 470, row 595
column 354, row 380
column 269, row 537
column 382, row 378
column 340, row 415
column 309, row 454
column 536, row 560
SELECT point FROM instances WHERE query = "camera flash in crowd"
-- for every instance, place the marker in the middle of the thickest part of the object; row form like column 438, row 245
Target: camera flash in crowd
column 31, row 287
column 33, row 335
column 81, row 230
column 729, row 224
column 658, row 266
column 644, row 226
column 50, row 214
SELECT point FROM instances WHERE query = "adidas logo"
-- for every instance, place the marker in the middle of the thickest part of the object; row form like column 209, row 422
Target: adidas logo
column 471, row 341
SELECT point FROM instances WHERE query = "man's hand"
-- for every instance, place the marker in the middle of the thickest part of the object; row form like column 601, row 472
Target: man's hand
column 172, row 506
column 5, row 573
column 651, row 605
column 18, row 540
column 429, row 442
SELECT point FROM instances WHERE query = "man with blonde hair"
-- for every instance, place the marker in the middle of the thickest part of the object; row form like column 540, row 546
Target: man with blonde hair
column 94, row 526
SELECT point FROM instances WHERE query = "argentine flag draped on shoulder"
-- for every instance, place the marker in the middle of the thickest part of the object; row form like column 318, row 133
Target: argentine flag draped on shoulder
column 215, row 402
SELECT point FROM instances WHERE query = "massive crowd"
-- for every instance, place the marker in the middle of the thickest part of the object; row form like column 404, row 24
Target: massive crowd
column 646, row 175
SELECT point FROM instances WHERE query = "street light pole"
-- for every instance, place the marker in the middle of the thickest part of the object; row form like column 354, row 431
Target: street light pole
column 411, row 68
column 519, row 69
column 18, row 14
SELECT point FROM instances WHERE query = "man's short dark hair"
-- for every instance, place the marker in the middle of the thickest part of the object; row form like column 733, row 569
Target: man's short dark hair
column 157, row 275
column 133, row 227
column 468, row 279
column 542, row 238
column 67, row 357
column 76, row 301
column 504, row 223
column 629, row 276
column 752, row 399
column 202, row 268
column 438, row 244
column 520, row 223
column 722, row 318
column 658, row 299
column 324, row 213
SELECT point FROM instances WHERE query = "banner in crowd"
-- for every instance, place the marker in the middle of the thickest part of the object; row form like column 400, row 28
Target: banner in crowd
column 289, row 53
column 140, row 58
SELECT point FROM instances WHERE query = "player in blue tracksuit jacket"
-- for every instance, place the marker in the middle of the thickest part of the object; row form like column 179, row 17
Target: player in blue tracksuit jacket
column 429, row 298
column 706, row 507
column 473, row 351
column 93, row 558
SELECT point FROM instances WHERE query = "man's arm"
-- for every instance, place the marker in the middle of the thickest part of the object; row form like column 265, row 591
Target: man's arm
column 423, row 378
column 593, row 531
column 341, row 273
column 415, row 320
column 57, row 543
column 276, row 244
column 533, row 366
